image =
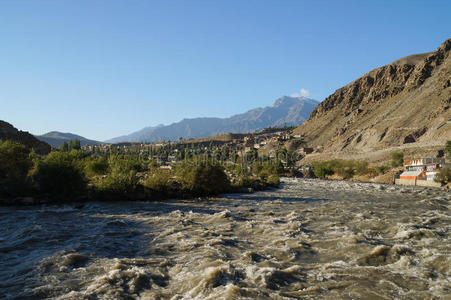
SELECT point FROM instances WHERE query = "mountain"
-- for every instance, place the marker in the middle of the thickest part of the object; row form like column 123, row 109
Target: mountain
column 135, row 136
column 9, row 132
column 406, row 101
column 286, row 110
column 55, row 139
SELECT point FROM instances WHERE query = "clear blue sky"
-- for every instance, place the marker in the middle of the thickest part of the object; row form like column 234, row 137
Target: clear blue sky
column 106, row 68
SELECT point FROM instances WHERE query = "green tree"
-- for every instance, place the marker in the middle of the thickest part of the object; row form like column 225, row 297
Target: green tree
column 159, row 182
column 381, row 169
column 448, row 148
column 203, row 179
column 64, row 147
column 322, row 169
column 252, row 155
column 122, row 177
column 60, row 173
column 273, row 180
column 397, row 159
column 15, row 162
column 96, row 166
column 75, row 144
column 443, row 176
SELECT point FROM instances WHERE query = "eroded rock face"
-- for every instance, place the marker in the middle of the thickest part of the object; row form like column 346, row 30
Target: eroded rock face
column 394, row 101
column 9, row 132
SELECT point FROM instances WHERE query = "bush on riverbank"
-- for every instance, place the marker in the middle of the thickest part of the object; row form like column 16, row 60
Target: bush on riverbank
column 343, row 168
column 161, row 184
column 273, row 180
column 443, row 176
column 60, row 174
column 202, row 179
column 15, row 163
column 397, row 159
column 381, row 169
column 122, row 176
column 96, row 166
column 76, row 174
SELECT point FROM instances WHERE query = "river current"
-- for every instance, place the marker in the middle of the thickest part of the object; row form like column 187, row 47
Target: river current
column 310, row 239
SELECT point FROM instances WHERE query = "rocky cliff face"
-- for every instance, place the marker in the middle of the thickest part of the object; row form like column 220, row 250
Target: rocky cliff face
column 403, row 102
column 8, row 132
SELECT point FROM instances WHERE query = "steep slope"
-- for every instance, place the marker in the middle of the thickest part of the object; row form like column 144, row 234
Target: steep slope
column 55, row 139
column 405, row 101
column 286, row 110
column 8, row 132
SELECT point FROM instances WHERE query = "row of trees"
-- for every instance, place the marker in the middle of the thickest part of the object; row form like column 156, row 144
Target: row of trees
column 72, row 145
column 72, row 172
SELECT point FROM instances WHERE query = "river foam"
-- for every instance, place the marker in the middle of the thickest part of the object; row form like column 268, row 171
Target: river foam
column 310, row 239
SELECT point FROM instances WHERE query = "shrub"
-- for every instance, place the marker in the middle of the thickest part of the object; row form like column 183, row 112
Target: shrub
column 322, row 169
column 344, row 168
column 15, row 162
column 263, row 175
column 122, row 177
column 243, row 181
column 397, row 159
column 203, row 179
column 381, row 170
column 241, row 170
column 346, row 171
column 273, row 168
column 361, row 168
column 96, row 166
column 59, row 173
column 159, row 182
column 273, row 180
column 448, row 148
column 251, row 156
column 443, row 175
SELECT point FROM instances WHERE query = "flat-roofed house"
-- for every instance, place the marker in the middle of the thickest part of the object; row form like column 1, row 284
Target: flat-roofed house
column 411, row 175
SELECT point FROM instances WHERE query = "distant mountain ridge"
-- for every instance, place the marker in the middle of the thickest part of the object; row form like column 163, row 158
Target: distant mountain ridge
column 9, row 132
column 56, row 138
column 286, row 110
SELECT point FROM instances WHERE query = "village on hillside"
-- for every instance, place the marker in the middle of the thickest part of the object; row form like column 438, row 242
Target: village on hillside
column 278, row 144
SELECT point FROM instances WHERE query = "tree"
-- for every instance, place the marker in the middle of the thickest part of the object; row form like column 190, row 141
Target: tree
column 15, row 162
column 64, row 147
column 397, row 159
column 60, row 173
column 448, row 148
column 443, row 175
column 203, row 179
column 75, row 144
column 322, row 169
column 96, row 166
column 122, row 177
column 252, row 155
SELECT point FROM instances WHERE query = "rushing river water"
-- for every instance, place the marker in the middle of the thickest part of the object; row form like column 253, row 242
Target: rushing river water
column 311, row 239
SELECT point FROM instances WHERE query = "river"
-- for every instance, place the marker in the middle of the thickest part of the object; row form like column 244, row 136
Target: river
column 310, row 239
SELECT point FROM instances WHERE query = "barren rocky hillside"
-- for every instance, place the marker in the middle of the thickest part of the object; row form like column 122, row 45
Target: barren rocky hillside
column 406, row 101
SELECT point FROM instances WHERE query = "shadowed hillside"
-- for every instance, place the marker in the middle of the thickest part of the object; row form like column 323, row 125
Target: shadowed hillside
column 8, row 132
